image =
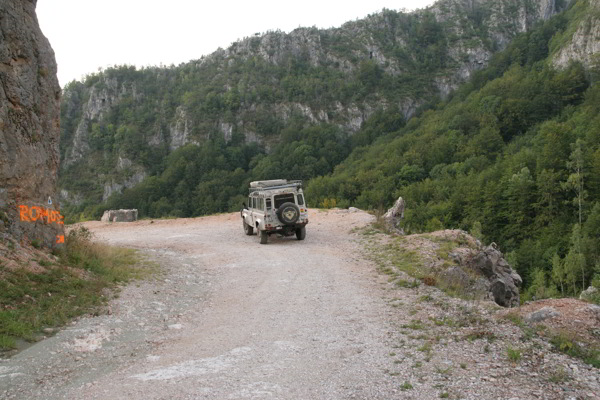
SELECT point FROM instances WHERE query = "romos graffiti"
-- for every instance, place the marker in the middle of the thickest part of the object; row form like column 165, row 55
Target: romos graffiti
column 34, row 213
column 43, row 215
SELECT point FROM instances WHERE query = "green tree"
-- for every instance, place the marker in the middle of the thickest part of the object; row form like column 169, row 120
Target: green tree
column 575, row 260
column 575, row 181
column 558, row 272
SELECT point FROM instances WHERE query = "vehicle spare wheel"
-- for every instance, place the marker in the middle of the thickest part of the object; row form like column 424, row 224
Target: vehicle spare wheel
column 288, row 213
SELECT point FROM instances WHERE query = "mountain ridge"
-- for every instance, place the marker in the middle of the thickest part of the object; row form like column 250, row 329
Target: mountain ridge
column 340, row 76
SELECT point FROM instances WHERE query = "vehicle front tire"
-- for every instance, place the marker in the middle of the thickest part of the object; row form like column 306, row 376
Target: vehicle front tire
column 263, row 236
column 248, row 230
column 301, row 233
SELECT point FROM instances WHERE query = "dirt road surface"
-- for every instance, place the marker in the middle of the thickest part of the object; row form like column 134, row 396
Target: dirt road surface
column 228, row 318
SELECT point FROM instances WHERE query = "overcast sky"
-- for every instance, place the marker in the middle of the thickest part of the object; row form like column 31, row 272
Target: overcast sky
column 86, row 35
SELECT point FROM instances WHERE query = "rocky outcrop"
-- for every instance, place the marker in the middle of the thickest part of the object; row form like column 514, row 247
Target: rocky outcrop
column 502, row 19
column 456, row 261
column 541, row 315
column 504, row 281
column 584, row 45
column 179, row 129
column 393, row 216
column 29, row 128
column 120, row 216
column 114, row 187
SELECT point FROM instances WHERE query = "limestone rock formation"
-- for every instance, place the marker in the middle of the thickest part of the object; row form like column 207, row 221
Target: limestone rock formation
column 504, row 281
column 392, row 217
column 584, row 46
column 458, row 262
column 120, row 216
column 29, row 128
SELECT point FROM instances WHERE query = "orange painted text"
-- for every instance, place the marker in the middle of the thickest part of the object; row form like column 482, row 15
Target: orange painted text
column 35, row 213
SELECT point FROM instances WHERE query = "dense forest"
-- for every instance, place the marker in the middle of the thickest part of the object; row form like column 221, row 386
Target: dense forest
column 512, row 156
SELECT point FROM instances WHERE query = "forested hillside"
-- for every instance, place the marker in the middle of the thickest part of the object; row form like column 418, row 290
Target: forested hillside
column 365, row 113
column 513, row 156
column 271, row 105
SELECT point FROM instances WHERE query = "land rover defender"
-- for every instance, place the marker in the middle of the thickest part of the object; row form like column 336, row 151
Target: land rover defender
column 275, row 207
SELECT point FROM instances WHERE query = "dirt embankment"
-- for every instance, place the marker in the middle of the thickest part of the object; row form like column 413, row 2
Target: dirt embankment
column 229, row 318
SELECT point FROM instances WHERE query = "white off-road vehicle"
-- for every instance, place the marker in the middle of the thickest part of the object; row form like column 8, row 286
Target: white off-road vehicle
column 275, row 206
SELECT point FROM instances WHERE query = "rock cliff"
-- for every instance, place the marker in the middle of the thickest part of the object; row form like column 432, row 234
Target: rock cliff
column 583, row 44
column 29, row 128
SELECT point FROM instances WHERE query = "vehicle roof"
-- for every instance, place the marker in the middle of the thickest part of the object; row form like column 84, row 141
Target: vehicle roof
column 276, row 185
column 276, row 190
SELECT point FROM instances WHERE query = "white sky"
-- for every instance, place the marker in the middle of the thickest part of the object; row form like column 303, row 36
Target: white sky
column 86, row 35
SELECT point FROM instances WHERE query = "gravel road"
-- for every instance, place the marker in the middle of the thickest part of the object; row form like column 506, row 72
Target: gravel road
column 228, row 318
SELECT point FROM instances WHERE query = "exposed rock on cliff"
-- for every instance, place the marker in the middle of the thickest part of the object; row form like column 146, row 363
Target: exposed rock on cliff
column 393, row 216
column 29, row 127
column 583, row 45
column 504, row 281
column 458, row 262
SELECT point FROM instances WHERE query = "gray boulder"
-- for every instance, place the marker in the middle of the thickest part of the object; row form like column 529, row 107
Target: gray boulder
column 541, row 315
column 120, row 215
column 393, row 216
column 504, row 281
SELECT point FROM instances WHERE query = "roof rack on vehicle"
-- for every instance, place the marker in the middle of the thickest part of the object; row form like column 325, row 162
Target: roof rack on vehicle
column 274, row 184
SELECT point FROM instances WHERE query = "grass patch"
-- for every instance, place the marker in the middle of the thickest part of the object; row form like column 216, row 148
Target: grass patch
column 75, row 285
column 425, row 348
column 559, row 376
column 442, row 370
column 563, row 341
column 445, row 321
column 406, row 386
column 481, row 334
column 426, row 298
column 515, row 319
column 408, row 284
column 514, row 355
column 414, row 325
column 566, row 344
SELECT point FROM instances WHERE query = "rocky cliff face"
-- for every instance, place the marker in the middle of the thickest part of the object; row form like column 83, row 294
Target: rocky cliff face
column 584, row 44
column 29, row 127
column 425, row 55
